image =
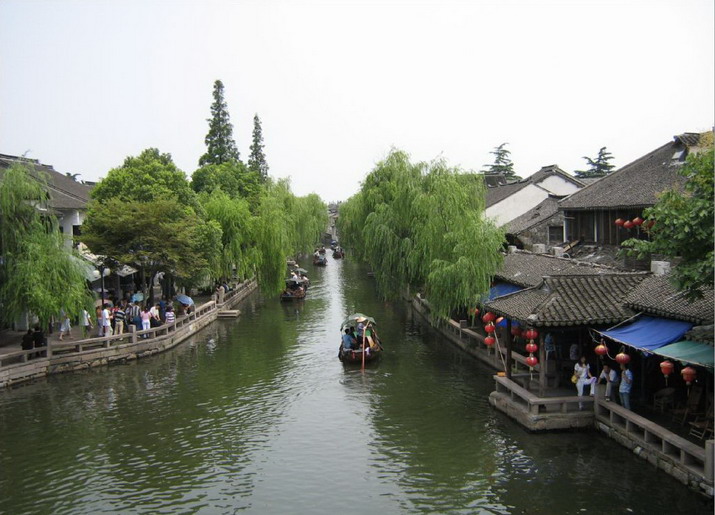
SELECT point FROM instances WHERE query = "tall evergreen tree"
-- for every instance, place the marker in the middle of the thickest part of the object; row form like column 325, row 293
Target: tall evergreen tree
column 599, row 167
column 502, row 164
column 257, row 160
column 221, row 147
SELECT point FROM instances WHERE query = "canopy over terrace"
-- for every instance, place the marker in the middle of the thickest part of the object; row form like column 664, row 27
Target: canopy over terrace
column 649, row 333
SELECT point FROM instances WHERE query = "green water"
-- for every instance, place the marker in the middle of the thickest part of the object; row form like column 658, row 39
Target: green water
column 258, row 415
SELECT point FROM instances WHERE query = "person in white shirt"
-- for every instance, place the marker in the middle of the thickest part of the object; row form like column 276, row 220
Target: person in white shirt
column 106, row 321
column 583, row 372
column 610, row 377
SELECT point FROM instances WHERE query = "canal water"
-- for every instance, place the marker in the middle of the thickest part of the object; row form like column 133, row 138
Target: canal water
column 258, row 415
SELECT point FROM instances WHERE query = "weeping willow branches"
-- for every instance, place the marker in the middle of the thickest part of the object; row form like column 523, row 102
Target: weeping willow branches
column 422, row 225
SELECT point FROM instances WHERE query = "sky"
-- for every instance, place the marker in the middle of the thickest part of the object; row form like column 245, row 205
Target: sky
column 338, row 84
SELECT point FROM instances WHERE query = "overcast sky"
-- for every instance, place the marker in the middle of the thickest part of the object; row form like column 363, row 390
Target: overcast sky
column 83, row 84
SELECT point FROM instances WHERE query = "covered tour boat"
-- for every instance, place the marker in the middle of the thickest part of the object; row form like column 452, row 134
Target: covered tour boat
column 320, row 260
column 294, row 290
column 338, row 253
column 359, row 338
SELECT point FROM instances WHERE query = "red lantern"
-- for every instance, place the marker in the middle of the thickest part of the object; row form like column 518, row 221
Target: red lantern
column 619, row 222
column 488, row 317
column 516, row 331
column 667, row 368
column 490, row 328
column 623, row 358
column 637, row 221
column 489, row 341
column 601, row 350
column 689, row 375
column 532, row 361
column 531, row 334
column 627, row 224
column 473, row 311
column 531, row 347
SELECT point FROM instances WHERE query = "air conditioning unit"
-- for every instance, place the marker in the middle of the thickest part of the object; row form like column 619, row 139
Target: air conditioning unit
column 538, row 248
column 660, row 267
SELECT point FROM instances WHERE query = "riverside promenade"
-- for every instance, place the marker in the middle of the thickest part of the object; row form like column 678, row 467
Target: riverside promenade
column 17, row 365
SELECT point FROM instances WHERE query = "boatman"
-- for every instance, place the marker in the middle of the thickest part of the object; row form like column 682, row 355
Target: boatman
column 348, row 340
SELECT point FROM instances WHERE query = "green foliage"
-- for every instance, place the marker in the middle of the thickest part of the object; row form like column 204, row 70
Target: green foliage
column 683, row 229
column 220, row 146
column 162, row 235
column 232, row 177
column 257, row 160
column 39, row 273
column 599, row 167
column 502, row 164
column 422, row 225
column 147, row 177
column 234, row 218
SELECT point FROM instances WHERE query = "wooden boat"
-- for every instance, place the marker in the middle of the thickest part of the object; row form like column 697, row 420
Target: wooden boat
column 294, row 290
column 338, row 254
column 320, row 260
column 370, row 345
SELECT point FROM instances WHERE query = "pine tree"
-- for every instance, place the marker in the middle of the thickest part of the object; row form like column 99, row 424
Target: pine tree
column 599, row 167
column 221, row 147
column 257, row 159
column 502, row 164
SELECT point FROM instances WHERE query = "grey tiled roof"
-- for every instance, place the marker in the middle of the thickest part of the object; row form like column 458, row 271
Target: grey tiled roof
column 499, row 193
column 570, row 300
column 657, row 296
column 527, row 270
column 637, row 184
column 534, row 216
column 65, row 193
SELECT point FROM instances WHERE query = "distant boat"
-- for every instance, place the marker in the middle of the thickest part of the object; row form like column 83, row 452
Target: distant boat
column 338, row 253
column 365, row 339
column 320, row 260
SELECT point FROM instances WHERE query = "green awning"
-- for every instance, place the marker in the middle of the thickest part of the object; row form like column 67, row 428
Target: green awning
column 690, row 352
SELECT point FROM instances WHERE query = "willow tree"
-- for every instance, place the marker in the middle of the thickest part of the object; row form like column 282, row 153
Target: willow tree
column 39, row 274
column 237, row 234
column 422, row 225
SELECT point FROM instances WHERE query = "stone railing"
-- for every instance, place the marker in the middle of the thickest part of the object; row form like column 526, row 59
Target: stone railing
column 58, row 357
column 536, row 405
column 681, row 458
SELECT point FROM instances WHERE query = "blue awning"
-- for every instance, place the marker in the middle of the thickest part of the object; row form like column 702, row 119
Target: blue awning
column 500, row 289
column 649, row 333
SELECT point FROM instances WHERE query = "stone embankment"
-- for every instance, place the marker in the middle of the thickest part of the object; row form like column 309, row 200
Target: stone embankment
column 58, row 357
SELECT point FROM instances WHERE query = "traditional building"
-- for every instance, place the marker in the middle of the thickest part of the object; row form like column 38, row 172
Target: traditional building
column 590, row 212
column 68, row 197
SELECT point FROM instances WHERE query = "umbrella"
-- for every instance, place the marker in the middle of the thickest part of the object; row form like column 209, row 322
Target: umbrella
column 137, row 297
column 353, row 319
column 98, row 302
column 301, row 270
column 185, row 300
column 297, row 281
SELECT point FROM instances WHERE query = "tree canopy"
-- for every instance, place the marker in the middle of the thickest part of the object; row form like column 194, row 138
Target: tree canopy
column 220, row 146
column 422, row 225
column 39, row 273
column 147, row 177
column 233, row 178
column 257, row 159
column 683, row 227
column 502, row 164
column 599, row 167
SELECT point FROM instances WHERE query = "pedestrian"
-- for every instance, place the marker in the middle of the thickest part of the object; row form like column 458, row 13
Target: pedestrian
column 146, row 320
column 582, row 370
column 119, row 318
column 169, row 316
column 624, row 389
column 65, row 326
column 133, row 315
column 27, row 342
column 610, row 378
column 98, row 316
column 549, row 345
column 155, row 311
column 106, row 321
column 86, row 323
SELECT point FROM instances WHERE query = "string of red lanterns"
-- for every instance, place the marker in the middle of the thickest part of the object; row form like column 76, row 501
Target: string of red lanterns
column 531, row 347
column 489, row 328
column 636, row 222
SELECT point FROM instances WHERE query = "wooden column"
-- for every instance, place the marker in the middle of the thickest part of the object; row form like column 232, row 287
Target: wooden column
column 542, row 364
column 508, row 346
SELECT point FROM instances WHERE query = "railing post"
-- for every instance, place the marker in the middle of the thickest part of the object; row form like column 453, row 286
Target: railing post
column 133, row 333
column 709, row 457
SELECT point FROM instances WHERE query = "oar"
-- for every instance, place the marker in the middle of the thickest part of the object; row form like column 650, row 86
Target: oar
column 364, row 331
